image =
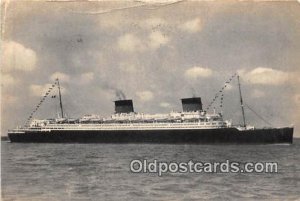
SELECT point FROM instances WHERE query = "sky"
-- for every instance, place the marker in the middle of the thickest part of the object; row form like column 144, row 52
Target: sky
column 154, row 53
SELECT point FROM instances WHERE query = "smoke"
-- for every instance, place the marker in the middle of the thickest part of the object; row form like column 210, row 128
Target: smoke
column 120, row 94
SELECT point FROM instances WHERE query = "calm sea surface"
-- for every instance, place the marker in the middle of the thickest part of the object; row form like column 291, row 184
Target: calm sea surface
column 101, row 172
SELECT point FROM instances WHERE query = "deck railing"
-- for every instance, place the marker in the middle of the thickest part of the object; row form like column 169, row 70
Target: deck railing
column 125, row 126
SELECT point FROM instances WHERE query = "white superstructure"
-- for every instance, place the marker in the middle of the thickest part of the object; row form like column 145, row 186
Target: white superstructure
column 135, row 121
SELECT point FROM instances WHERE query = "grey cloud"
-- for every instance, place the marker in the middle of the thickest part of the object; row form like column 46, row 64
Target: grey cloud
column 232, row 37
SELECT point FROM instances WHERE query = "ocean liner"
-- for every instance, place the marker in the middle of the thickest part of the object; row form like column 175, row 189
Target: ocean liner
column 193, row 125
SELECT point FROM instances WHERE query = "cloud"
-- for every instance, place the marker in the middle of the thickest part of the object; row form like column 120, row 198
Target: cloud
column 39, row 90
column 265, row 76
column 153, row 23
column 158, row 39
column 17, row 57
column 228, row 87
column 9, row 99
column 145, row 96
column 112, row 22
column 130, row 43
column 127, row 67
column 195, row 72
column 296, row 99
column 192, row 26
column 258, row 93
column 61, row 76
column 86, row 78
column 117, row 22
column 7, row 79
column 165, row 104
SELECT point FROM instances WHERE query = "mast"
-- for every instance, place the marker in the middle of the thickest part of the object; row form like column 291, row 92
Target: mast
column 241, row 100
column 60, row 101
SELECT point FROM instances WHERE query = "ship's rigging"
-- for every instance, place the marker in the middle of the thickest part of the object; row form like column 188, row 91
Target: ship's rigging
column 60, row 101
column 220, row 94
column 48, row 92
column 192, row 125
column 241, row 101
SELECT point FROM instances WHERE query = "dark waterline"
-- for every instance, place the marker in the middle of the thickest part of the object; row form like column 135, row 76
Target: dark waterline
column 101, row 172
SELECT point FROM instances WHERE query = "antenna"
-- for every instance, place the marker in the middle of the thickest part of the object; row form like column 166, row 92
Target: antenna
column 60, row 101
column 241, row 100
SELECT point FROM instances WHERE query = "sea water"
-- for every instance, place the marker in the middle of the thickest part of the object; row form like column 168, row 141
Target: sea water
column 45, row 172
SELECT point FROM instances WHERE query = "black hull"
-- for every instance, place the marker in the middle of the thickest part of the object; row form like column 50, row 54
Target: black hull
column 189, row 136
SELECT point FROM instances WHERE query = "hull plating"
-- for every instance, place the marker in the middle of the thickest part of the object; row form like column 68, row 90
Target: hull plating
column 188, row 136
